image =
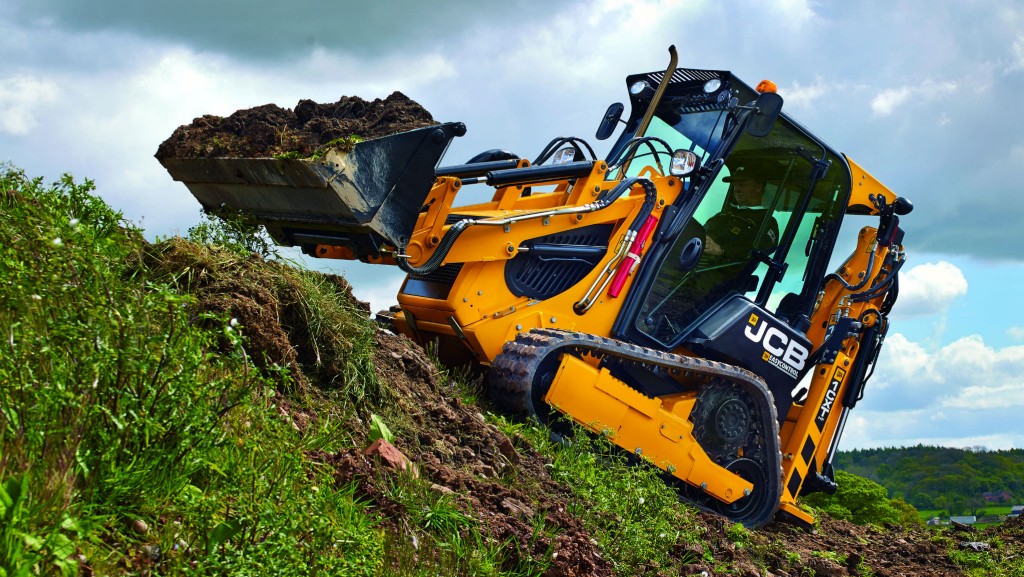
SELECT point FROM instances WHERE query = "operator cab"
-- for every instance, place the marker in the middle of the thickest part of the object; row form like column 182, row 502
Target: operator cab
column 736, row 264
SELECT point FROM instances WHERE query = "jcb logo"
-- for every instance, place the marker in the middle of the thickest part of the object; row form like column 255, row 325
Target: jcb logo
column 776, row 343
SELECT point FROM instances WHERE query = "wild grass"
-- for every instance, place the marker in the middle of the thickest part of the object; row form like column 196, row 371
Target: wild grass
column 635, row 517
column 135, row 431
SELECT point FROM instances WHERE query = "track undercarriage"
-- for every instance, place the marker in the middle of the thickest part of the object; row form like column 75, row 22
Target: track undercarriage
column 711, row 426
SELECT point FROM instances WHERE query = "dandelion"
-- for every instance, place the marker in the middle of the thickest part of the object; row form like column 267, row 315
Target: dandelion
column 73, row 222
column 57, row 241
column 36, row 298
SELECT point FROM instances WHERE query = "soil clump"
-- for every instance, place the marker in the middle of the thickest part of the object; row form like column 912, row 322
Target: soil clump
column 270, row 130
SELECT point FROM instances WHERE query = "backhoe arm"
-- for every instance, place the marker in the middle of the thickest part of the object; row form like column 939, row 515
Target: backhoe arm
column 848, row 325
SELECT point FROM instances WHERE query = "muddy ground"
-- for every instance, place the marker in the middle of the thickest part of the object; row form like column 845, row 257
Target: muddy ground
column 270, row 130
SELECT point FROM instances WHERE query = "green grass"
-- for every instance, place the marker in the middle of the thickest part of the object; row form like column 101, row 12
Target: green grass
column 122, row 403
column 635, row 517
column 125, row 405
column 138, row 434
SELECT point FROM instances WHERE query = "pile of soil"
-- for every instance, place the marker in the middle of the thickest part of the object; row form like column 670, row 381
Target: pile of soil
column 269, row 130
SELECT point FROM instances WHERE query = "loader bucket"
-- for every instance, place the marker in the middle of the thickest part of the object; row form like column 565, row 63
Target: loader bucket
column 364, row 199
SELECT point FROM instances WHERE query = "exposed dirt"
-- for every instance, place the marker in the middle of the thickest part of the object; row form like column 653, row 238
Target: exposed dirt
column 889, row 552
column 501, row 481
column 457, row 451
column 269, row 130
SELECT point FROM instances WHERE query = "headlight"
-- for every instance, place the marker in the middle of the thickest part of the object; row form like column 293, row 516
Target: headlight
column 638, row 87
column 684, row 162
column 712, row 85
column 564, row 155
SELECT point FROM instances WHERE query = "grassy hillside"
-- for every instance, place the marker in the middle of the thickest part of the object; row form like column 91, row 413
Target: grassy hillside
column 180, row 408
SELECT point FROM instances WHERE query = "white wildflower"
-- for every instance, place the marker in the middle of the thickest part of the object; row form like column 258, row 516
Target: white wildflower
column 57, row 241
column 233, row 322
column 36, row 298
column 73, row 222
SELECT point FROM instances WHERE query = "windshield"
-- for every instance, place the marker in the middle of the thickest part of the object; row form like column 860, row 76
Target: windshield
column 669, row 130
column 770, row 195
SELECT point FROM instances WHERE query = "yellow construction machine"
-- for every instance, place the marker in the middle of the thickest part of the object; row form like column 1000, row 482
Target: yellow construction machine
column 674, row 295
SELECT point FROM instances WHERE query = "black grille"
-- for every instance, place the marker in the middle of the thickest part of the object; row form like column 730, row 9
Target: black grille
column 541, row 276
column 445, row 274
column 436, row 285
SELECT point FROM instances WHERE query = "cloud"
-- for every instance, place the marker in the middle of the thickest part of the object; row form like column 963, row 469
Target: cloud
column 106, row 125
column 801, row 96
column 1017, row 55
column 929, row 289
column 952, row 395
column 19, row 98
column 278, row 31
column 887, row 101
column 1016, row 333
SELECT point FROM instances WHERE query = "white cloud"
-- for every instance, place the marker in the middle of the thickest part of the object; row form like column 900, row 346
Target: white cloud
column 909, row 363
column 961, row 394
column 1017, row 55
column 109, row 124
column 887, row 101
column 19, row 97
column 1015, row 333
column 805, row 96
column 929, row 289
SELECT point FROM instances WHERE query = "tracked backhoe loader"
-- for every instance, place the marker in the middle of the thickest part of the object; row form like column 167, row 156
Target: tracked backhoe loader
column 674, row 295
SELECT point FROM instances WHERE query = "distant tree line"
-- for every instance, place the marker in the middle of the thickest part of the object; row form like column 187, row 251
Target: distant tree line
column 953, row 480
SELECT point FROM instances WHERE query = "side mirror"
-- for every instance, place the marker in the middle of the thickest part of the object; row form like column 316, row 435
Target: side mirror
column 611, row 118
column 769, row 106
column 690, row 255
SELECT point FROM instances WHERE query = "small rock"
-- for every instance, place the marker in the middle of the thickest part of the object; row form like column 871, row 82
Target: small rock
column 151, row 552
column 747, row 570
column 975, row 545
column 441, row 489
column 391, row 456
column 957, row 526
column 508, row 450
column 517, row 508
column 480, row 417
column 139, row 527
column 696, row 569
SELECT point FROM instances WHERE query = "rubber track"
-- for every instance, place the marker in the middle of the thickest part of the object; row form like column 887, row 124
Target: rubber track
column 514, row 371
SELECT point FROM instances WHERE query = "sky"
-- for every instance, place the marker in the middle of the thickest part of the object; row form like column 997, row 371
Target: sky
column 924, row 95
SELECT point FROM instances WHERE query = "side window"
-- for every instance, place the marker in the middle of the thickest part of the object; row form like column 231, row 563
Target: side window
column 762, row 196
column 820, row 206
